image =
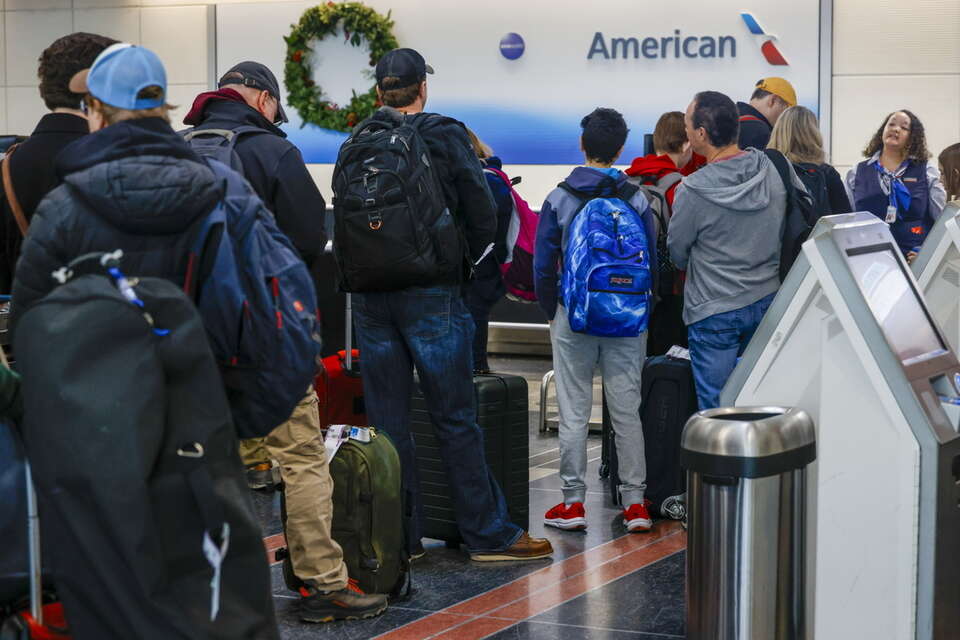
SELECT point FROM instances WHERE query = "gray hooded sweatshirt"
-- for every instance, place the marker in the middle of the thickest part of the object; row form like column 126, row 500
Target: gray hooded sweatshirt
column 725, row 231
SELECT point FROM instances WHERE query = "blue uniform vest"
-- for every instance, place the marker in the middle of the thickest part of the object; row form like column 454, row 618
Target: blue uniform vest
column 912, row 226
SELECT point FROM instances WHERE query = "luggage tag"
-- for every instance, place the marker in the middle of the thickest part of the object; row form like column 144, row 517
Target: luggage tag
column 337, row 434
column 215, row 556
column 678, row 353
column 360, row 434
column 891, row 214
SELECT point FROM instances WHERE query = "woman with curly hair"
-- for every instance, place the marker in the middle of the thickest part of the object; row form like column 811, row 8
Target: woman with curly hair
column 898, row 183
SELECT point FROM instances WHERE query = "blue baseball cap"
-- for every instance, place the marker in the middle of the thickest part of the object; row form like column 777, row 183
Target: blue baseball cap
column 119, row 73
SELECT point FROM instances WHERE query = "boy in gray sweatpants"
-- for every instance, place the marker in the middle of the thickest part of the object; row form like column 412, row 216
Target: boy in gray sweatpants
column 575, row 353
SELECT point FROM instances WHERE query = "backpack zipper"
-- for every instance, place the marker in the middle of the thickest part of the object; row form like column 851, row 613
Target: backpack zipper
column 616, row 230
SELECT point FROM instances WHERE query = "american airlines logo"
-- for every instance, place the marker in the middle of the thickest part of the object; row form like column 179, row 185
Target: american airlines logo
column 768, row 48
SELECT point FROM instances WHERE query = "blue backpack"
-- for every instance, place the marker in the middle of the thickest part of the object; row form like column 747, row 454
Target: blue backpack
column 607, row 284
column 258, row 305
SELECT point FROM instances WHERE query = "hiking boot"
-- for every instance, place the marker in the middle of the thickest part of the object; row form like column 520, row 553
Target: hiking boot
column 260, row 476
column 349, row 603
column 567, row 517
column 525, row 548
column 637, row 518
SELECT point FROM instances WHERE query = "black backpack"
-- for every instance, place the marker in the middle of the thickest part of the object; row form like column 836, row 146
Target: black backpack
column 799, row 218
column 392, row 228
column 814, row 179
column 134, row 456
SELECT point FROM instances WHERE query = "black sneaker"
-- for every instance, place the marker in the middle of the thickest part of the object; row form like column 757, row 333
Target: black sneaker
column 350, row 603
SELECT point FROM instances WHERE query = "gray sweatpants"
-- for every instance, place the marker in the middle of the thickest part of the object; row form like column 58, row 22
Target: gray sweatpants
column 575, row 356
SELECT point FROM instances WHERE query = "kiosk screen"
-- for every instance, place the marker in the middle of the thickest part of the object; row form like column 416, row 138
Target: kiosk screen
column 895, row 303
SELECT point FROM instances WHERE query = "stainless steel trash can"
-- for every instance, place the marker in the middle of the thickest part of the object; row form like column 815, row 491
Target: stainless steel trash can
column 746, row 486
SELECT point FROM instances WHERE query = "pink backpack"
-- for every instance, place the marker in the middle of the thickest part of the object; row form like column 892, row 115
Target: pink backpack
column 517, row 268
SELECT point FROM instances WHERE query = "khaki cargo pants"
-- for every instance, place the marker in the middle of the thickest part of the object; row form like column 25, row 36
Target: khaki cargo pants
column 254, row 452
column 297, row 446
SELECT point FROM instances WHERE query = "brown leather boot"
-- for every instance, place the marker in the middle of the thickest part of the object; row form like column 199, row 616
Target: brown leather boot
column 525, row 548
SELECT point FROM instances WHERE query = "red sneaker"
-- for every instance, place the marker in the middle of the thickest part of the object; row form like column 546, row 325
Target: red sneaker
column 569, row 518
column 637, row 518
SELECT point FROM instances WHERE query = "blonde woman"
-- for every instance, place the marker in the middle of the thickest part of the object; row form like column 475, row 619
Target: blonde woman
column 797, row 136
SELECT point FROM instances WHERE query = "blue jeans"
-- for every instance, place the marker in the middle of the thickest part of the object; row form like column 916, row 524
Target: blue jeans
column 715, row 344
column 430, row 328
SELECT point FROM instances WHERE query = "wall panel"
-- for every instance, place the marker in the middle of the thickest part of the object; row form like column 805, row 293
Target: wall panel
column 861, row 102
column 27, row 34
column 896, row 37
column 120, row 23
column 180, row 36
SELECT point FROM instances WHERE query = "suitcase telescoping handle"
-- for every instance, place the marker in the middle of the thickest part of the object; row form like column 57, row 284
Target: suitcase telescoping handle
column 348, row 334
column 33, row 527
column 33, row 537
column 348, row 324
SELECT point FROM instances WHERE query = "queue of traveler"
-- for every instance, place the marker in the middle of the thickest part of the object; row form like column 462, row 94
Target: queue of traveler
column 691, row 255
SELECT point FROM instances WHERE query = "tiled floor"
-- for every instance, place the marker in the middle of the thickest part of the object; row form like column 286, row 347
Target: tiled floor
column 600, row 585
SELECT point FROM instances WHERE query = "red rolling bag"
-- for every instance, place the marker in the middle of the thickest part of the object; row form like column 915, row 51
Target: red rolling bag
column 339, row 386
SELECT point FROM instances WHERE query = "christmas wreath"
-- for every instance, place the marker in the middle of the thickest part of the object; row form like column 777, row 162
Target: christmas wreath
column 360, row 23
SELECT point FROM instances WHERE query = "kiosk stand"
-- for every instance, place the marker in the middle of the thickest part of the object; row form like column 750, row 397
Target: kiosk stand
column 849, row 340
column 937, row 269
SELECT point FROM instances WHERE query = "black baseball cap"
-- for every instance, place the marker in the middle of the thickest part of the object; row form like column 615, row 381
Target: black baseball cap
column 258, row 76
column 406, row 64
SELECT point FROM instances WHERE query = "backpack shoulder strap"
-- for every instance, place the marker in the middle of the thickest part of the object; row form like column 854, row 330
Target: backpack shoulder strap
column 582, row 197
column 656, row 197
column 576, row 193
column 500, row 174
column 783, row 168
column 669, row 180
column 626, row 191
column 12, row 200
column 190, row 134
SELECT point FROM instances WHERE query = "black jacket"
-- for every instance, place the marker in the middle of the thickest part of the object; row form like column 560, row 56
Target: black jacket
column 135, row 185
column 33, row 174
column 755, row 130
column 462, row 179
column 274, row 168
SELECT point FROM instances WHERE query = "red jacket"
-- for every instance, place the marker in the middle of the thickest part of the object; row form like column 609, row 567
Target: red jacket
column 651, row 168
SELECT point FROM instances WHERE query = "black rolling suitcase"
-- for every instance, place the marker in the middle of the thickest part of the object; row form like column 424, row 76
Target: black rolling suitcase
column 668, row 399
column 503, row 416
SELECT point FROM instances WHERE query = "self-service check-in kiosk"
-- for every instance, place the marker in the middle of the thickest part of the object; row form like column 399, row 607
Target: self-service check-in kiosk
column 937, row 269
column 850, row 340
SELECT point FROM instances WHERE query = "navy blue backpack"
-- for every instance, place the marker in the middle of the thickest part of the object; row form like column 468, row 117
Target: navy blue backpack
column 607, row 285
column 258, row 305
